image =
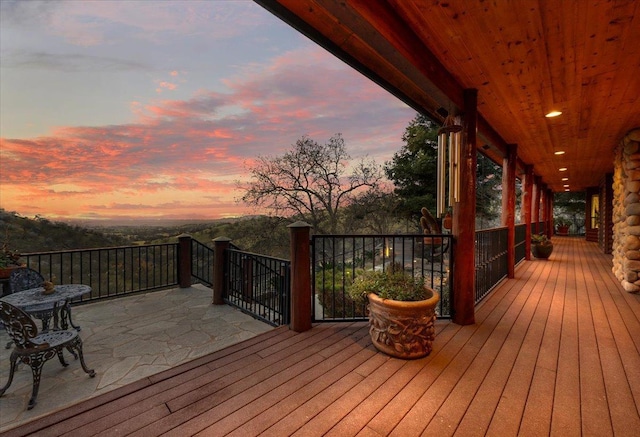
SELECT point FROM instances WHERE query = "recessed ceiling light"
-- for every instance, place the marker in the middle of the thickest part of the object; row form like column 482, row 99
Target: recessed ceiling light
column 565, row 179
column 566, row 185
column 553, row 114
column 559, row 152
column 563, row 169
column 566, row 189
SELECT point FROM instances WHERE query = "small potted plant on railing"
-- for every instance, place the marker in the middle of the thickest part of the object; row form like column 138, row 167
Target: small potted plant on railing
column 9, row 260
column 541, row 246
column 402, row 311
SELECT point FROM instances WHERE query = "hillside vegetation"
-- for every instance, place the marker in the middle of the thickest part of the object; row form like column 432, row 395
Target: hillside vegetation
column 39, row 234
column 263, row 235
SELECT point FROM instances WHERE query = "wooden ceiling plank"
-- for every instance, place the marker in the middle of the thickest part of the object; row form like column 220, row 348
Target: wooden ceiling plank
column 523, row 58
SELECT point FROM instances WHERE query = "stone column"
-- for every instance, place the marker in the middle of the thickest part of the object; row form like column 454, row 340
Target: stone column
column 626, row 212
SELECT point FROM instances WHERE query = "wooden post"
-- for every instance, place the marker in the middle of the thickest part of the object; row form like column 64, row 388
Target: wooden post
column 221, row 244
column 184, row 260
column 509, row 204
column 300, row 277
column 550, row 225
column 464, row 215
column 544, row 206
column 526, row 209
column 536, row 204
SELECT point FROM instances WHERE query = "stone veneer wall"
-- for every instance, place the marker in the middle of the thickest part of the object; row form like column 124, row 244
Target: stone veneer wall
column 626, row 212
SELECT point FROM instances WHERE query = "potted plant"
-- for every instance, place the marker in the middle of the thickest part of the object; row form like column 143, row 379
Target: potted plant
column 9, row 260
column 562, row 226
column 541, row 246
column 402, row 311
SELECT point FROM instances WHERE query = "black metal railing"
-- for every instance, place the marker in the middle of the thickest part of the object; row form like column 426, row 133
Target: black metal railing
column 259, row 285
column 337, row 259
column 112, row 271
column 202, row 262
column 491, row 260
column 520, row 243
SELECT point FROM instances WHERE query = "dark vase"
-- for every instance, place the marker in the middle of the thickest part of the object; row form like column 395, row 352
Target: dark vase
column 541, row 251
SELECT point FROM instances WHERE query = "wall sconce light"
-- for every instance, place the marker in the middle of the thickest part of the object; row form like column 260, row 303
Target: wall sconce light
column 449, row 145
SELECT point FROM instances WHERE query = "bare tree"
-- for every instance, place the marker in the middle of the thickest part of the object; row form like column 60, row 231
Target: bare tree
column 375, row 210
column 310, row 181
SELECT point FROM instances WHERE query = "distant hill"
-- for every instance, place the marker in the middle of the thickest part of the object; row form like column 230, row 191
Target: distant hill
column 260, row 234
column 42, row 235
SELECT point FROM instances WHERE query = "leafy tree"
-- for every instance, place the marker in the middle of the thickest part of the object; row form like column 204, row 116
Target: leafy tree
column 311, row 181
column 488, row 193
column 570, row 206
column 413, row 169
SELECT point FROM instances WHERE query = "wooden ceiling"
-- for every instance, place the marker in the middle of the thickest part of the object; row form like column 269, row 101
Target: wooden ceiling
column 525, row 58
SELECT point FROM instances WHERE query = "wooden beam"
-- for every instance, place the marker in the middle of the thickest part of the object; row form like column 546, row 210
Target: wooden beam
column 464, row 223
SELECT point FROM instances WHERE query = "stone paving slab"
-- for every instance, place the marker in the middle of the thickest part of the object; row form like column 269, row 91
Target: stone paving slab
column 126, row 339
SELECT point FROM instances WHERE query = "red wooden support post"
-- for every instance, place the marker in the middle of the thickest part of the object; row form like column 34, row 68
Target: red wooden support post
column 550, row 225
column 300, row 277
column 221, row 244
column 526, row 209
column 509, row 204
column 464, row 213
column 536, row 204
column 544, row 206
column 184, row 260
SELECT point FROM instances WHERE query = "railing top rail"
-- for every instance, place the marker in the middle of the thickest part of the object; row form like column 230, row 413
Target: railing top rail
column 257, row 255
column 54, row 252
column 416, row 235
column 497, row 228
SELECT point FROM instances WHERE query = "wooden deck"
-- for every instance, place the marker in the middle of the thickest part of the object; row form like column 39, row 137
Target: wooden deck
column 553, row 352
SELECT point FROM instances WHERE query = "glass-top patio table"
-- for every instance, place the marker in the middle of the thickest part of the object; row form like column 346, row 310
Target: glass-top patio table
column 56, row 305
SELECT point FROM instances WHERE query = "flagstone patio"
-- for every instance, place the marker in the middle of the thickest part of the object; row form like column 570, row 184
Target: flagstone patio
column 126, row 339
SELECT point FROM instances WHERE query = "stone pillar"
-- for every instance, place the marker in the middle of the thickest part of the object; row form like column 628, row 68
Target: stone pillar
column 184, row 260
column 626, row 212
column 300, row 277
column 221, row 244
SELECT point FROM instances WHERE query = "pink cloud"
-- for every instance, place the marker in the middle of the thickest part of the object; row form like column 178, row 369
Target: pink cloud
column 195, row 150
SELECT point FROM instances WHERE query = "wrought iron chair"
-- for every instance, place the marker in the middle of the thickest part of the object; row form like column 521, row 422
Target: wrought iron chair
column 25, row 279
column 35, row 349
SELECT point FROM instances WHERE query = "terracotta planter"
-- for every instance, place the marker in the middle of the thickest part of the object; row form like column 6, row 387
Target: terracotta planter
column 541, row 251
column 563, row 230
column 5, row 272
column 403, row 329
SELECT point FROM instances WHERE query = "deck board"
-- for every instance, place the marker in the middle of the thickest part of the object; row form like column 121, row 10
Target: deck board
column 554, row 351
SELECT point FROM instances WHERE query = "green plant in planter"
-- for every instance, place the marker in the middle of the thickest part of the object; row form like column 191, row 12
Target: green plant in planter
column 541, row 246
column 402, row 311
column 562, row 225
column 392, row 283
column 8, row 257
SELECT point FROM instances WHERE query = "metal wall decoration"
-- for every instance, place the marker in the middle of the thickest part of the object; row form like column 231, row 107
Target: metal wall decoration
column 449, row 145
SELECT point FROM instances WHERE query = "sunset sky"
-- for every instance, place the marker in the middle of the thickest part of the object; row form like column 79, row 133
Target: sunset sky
column 154, row 109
